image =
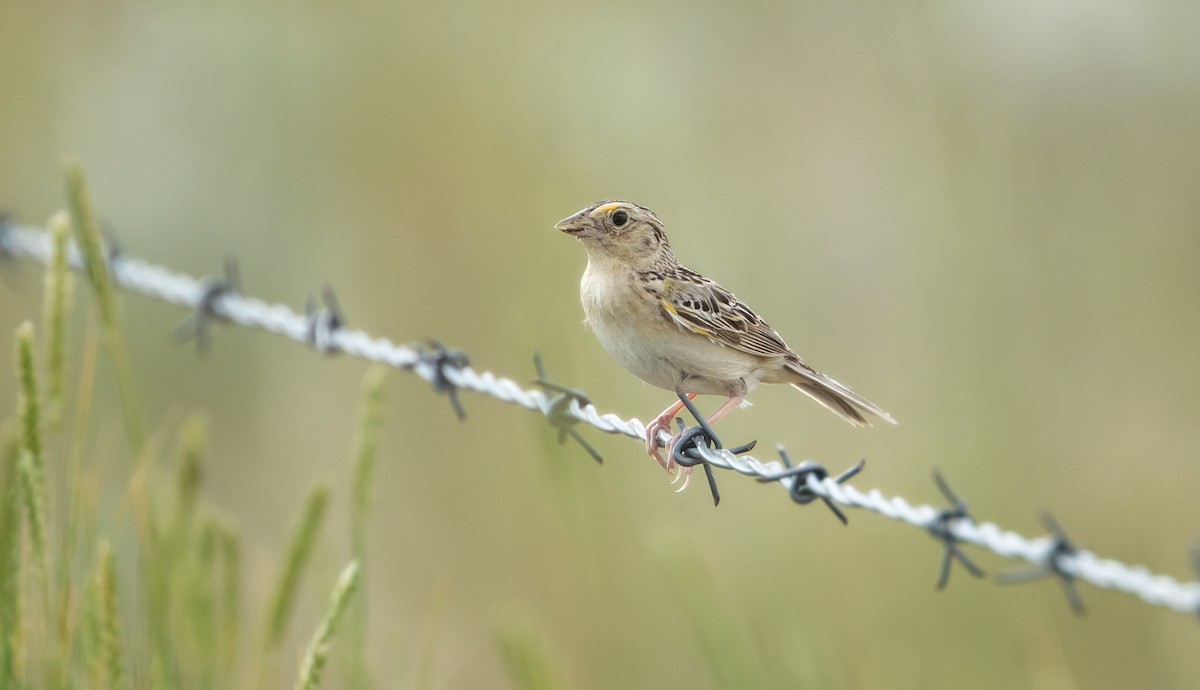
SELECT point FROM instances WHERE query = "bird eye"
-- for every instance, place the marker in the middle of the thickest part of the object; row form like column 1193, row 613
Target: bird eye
column 620, row 218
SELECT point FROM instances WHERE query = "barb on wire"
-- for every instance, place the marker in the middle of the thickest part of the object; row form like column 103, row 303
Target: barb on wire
column 1052, row 565
column 941, row 530
column 448, row 372
column 1196, row 569
column 196, row 326
column 7, row 255
column 323, row 322
column 558, row 409
column 687, row 450
column 440, row 361
column 112, row 245
column 800, row 490
column 5, row 227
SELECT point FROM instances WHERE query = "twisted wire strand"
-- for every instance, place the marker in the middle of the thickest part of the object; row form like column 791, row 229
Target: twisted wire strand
column 158, row 282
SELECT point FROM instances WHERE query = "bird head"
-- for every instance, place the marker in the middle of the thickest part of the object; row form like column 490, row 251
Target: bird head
column 618, row 230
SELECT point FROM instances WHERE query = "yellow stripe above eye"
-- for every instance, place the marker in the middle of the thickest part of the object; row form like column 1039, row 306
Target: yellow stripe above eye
column 607, row 208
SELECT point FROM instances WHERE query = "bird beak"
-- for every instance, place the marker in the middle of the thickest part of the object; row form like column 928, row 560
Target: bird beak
column 579, row 225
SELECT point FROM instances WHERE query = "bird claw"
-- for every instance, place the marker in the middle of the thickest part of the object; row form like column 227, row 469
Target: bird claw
column 660, row 423
column 671, row 465
column 657, row 455
column 687, row 479
column 663, row 423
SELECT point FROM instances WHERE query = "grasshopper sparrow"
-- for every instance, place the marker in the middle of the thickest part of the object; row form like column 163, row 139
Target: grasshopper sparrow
column 675, row 329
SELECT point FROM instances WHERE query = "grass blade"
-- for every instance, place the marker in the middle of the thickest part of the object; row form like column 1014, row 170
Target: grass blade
column 299, row 551
column 87, row 233
column 108, row 670
column 10, row 561
column 56, row 307
column 364, row 474
column 318, row 648
column 231, row 566
column 33, row 498
column 27, row 396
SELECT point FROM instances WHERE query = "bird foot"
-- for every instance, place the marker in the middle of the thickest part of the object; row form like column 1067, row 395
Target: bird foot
column 660, row 423
column 673, row 468
column 686, row 474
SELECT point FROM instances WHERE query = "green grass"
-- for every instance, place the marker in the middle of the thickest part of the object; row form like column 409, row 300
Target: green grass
column 317, row 653
column 363, row 452
column 54, row 314
column 191, row 622
column 87, row 236
column 10, row 557
column 137, row 581
column 116, row 572
column 298, row 555
column 106, row 651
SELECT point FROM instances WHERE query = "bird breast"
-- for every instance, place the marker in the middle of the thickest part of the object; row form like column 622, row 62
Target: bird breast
column 625, row 320
column 632, row 327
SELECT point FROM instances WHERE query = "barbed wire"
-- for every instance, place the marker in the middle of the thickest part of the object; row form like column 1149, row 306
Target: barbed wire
column 448, row 371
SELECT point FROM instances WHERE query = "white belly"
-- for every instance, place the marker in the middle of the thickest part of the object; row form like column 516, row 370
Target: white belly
column 656, row 350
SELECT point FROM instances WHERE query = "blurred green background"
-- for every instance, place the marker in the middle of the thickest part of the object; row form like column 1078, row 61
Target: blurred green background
column 982, row 216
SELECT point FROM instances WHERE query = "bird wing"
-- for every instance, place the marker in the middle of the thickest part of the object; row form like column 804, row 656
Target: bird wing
column 696, row 304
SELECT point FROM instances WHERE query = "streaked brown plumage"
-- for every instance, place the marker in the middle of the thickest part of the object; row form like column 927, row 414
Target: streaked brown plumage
column 674, row 328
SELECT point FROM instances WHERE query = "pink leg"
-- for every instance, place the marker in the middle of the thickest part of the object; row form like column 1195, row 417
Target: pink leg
column 732, row 402
column 660, row 423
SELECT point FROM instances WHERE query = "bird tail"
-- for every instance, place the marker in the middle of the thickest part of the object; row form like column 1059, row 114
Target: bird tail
column 834, row 396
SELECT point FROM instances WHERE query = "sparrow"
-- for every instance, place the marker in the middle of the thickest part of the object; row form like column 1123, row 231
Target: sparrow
column 675, row 329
